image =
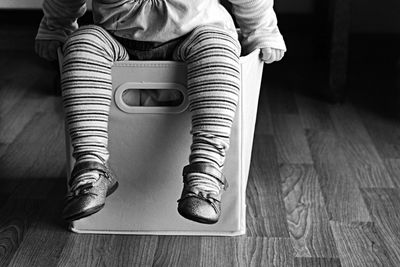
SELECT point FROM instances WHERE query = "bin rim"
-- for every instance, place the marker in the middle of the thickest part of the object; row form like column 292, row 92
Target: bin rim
column 161, row 63
column 250, row 56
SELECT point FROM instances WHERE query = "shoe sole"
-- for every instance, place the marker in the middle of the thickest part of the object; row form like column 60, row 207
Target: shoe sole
column 84, row 214
column 195, row 218
column 93, row 210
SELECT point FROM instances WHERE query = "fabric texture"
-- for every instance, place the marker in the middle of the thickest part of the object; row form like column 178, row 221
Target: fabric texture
column 164, row 20
column 213, row 82
column 212, row 57
column 86, row 88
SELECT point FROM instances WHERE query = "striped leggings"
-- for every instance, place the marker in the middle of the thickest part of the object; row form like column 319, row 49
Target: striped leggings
column 212, row 58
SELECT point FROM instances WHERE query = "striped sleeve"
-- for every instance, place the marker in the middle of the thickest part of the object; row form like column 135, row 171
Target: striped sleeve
column 258, row 24
column 60, row 18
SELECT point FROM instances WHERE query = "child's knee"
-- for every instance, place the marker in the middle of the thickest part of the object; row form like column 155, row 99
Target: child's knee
column 86, row 36
column 216, row 38
column 211, row 38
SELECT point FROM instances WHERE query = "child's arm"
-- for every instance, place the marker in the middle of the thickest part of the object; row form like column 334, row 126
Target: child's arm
column 259, row 29
column 59, row 21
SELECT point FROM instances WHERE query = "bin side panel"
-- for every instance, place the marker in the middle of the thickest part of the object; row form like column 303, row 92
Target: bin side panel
column 251, row 70
column 148, row 152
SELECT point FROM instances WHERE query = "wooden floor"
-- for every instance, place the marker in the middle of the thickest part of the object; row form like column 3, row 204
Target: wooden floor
column 324, row 186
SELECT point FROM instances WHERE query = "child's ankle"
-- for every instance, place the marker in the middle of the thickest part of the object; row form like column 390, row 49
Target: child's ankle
column 208, row 162
column 90, row 157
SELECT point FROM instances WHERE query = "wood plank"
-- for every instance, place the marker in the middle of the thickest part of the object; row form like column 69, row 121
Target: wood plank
column 265, row 209
column 264, row 119
column 39, row 152
column 259, row 251
column 314, row 114
column 340, row 190
column 21, row 212
column 49, row 230
column 307, row 218
column 26, row 162
column 178, row 251
column 32, row 218
column 219, row 251
column 16, row 217
column 43, row 152
column 290, row 140
column 384, row 206
column 39, row 145
column 384, row 131
column 359, row 149
column 12, row 90
column 246, row 251
column 317, row 262
column 22, row 73
column 14, row 122
column 393, row 168
column 281, row 99
column 367, row 167
column 37, row 188
column 108, row 250
column 360, row 245
column 348, row 124
column 24, row 95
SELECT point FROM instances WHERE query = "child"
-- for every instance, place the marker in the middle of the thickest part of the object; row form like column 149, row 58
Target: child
column 198, row 32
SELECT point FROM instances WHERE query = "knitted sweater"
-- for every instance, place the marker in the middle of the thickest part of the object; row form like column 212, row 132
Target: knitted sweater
column 164, row 20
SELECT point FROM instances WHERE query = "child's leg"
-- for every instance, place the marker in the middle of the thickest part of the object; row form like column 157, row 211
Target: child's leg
column 212, row 57
column 86, row 88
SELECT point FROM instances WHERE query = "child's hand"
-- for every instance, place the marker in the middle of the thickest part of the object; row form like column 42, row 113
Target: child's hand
column 269, row 55
column 47, row 49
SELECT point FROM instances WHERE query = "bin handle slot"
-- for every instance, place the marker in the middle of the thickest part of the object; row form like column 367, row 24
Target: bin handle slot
column 123, row 106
